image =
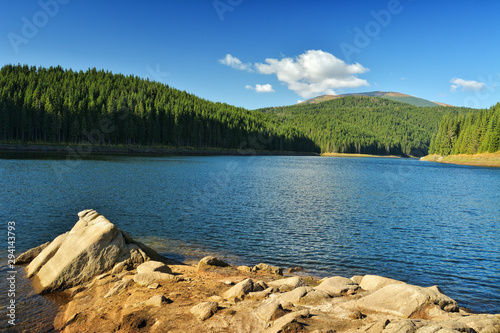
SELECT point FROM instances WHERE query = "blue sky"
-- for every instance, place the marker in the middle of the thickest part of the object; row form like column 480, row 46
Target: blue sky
column 269, row 53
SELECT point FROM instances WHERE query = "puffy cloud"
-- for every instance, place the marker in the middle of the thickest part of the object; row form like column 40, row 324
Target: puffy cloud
column 314, row 72
column 234, row 62
column 261, row 88
column 466, row 84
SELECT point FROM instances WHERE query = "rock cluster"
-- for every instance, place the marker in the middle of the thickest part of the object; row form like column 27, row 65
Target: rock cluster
column 93, row 246
column 121, row 285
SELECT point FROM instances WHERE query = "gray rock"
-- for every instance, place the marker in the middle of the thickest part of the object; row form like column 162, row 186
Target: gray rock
column 31, row 254
column 157, row 301
column 259, row 286
column 403, row 300
column 212, row 261
column 404, row 326
column 153, row 266
column 270, row 310
column 482, row 323
column 337, row 285
column 374, row 282
column 204, row 310
column 288, row 284
column 268, row 269
column 240, row 289
column 281, row 323
column 295, row 295
column 261, row 294
column 93, row 246
column 376, row 327
column 244, row 268
column 445, row 326
column 118, row 287
column 357, row 278
column 314, row 297
column 145, row 279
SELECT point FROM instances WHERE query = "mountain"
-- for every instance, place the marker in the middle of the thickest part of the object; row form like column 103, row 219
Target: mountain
column 395, row 96
column 365, row 124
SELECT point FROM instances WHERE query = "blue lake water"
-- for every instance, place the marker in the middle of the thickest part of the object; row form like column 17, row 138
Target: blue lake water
column 420, row 222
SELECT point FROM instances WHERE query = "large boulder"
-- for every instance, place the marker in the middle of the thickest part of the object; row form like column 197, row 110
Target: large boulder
column 93, row 246
column 288, row 284
column 240, row 289
column 374, row 282
column 31, row 254
column 211, row 261
column 337, row 286
column 404, row 300
column 204, row 310
column 153, row 266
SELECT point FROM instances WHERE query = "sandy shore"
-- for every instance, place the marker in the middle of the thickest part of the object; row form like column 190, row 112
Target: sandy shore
column 484, row 160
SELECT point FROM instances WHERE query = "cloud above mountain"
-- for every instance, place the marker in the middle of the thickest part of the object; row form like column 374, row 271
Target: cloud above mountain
column 309, row 74
column 261, row 88
column 470, row 85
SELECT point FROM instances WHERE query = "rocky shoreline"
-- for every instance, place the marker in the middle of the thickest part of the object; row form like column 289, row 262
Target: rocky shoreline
column 115, row 284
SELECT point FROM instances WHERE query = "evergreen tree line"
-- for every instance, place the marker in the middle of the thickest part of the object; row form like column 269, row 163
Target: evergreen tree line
column 366, row 125
column 475, row 132
column 52, row 105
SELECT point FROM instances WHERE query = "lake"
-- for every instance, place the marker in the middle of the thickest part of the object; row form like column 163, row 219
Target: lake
column 420, row 222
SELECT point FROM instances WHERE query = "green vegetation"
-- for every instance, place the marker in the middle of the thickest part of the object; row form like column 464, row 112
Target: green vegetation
column 63, row 107
column 476, row 132
column 365, row 125
column 411, row 100
column 56, row 106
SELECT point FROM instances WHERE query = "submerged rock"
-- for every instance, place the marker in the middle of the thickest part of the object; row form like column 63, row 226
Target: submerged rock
column 93, row 246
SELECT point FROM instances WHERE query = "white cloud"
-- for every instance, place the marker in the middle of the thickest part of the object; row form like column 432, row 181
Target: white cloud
column 466, row 84
column 234, row 62
column 314, row 73
column 310, row 74
column 261, row 88
column 404, row 78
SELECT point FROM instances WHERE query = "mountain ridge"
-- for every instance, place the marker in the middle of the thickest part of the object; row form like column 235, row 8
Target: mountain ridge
column 392, row 95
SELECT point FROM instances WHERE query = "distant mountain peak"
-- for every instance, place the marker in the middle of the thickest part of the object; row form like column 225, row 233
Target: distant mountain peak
column 392, row 95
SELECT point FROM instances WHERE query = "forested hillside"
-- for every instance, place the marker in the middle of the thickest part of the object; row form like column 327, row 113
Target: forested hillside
column 476, row 132
column 367, row 125
column 62, row 106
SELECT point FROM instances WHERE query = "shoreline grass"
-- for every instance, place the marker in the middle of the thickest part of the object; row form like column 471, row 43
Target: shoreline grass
column 483, row 159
